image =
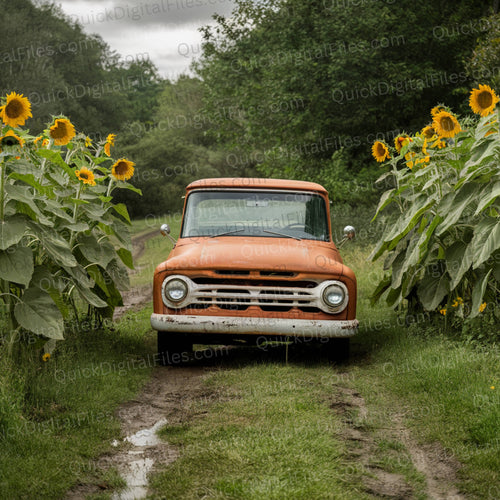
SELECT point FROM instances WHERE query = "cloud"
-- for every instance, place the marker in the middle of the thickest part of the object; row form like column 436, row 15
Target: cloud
column 146, row 12
column 164, row 30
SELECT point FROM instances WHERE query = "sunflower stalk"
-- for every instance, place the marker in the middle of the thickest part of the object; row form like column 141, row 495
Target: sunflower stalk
column 2, row 190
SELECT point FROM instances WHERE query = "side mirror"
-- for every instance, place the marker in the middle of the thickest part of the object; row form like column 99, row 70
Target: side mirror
column 349, row 234
column 165, row 231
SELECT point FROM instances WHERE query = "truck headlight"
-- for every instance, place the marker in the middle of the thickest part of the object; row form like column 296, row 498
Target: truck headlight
column 175, row 290
column 335, row 295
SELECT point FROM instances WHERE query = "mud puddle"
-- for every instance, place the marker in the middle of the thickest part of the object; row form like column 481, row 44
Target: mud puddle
column 167, row 399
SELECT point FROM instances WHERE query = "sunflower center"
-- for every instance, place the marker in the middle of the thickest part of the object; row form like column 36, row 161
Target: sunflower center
column 121, row 168
column 14, row 109
column 485, row 99
column 447, row 124
column 59, row 131
column 10, row 141
column 84, row 175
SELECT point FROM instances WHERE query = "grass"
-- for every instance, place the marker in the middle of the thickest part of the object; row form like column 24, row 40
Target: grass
column 269, row 432
column 156, row 249
column 57, row 417
column 268, row 429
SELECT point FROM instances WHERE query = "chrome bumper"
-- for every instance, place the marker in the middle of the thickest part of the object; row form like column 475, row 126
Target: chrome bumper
column 263, row 326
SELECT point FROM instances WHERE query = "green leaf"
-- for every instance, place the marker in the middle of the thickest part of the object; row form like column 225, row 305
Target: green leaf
column 478, row 294
column 55, row 157
column 399, row 266
column 31, row 181
column 90, row 297
column 486, row 240
column 37, row 313
column 94, row 211
column 121, row 209
column 119, row 274
column 452, row 207
column 55, row 245
column 80, row 276
column 16, row 264
column 94, row 251
column 77, row 227
column 125, row 185
column 24, row 195
column 489, row 194
column 126, row 257
column 483, row 151
column 384, row 284
column 459, row 257
column 385, row 199
column 394, row 297
column 11, row 231
column 432, row 289
column 402, row 227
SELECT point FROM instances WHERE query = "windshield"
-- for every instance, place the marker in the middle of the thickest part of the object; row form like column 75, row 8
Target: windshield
column 300, row 215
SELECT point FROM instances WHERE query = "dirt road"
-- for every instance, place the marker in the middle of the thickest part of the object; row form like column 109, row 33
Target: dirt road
column 171, row 396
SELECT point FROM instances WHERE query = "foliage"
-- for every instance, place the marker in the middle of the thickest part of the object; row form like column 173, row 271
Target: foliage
column 484, row 65
column 62, row 239
column 174, row 150
column 293, row 82
column 49, row 58
column 443, row 238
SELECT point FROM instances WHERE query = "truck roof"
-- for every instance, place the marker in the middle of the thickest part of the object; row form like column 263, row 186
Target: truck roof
column 254, row 182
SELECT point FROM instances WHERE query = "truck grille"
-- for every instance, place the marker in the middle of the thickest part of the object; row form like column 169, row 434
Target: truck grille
column 268, row 295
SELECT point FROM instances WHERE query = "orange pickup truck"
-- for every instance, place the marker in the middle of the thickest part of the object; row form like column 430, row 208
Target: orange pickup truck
column 255, row 260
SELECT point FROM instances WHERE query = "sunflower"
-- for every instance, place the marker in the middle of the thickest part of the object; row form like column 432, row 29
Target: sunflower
column 428, row 132
column 409, row 157
column 16, row 110
column 44, row 141
column 380, row 151
column 46, row 357
column 11, row 139
column 483, row 100
column 446, row 125
column 62, row 131
column 86, row 176
column 123, row 169
column 436, row 110
column 110, row 141
column 439, row 143
column 88, row 141
column 400, row 141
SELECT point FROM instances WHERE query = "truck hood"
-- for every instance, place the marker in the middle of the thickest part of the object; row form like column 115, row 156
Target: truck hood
column 261, row 254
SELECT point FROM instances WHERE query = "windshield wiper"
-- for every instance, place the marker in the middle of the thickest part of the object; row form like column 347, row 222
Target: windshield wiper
column 281, row 234
column 226, row 232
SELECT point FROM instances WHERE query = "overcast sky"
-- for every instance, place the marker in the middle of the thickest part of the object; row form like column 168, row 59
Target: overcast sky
column 166, row 31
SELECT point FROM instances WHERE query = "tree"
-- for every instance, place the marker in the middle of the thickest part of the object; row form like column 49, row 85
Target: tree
column 62, row 70
column 173, row 149
column 299, row 81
